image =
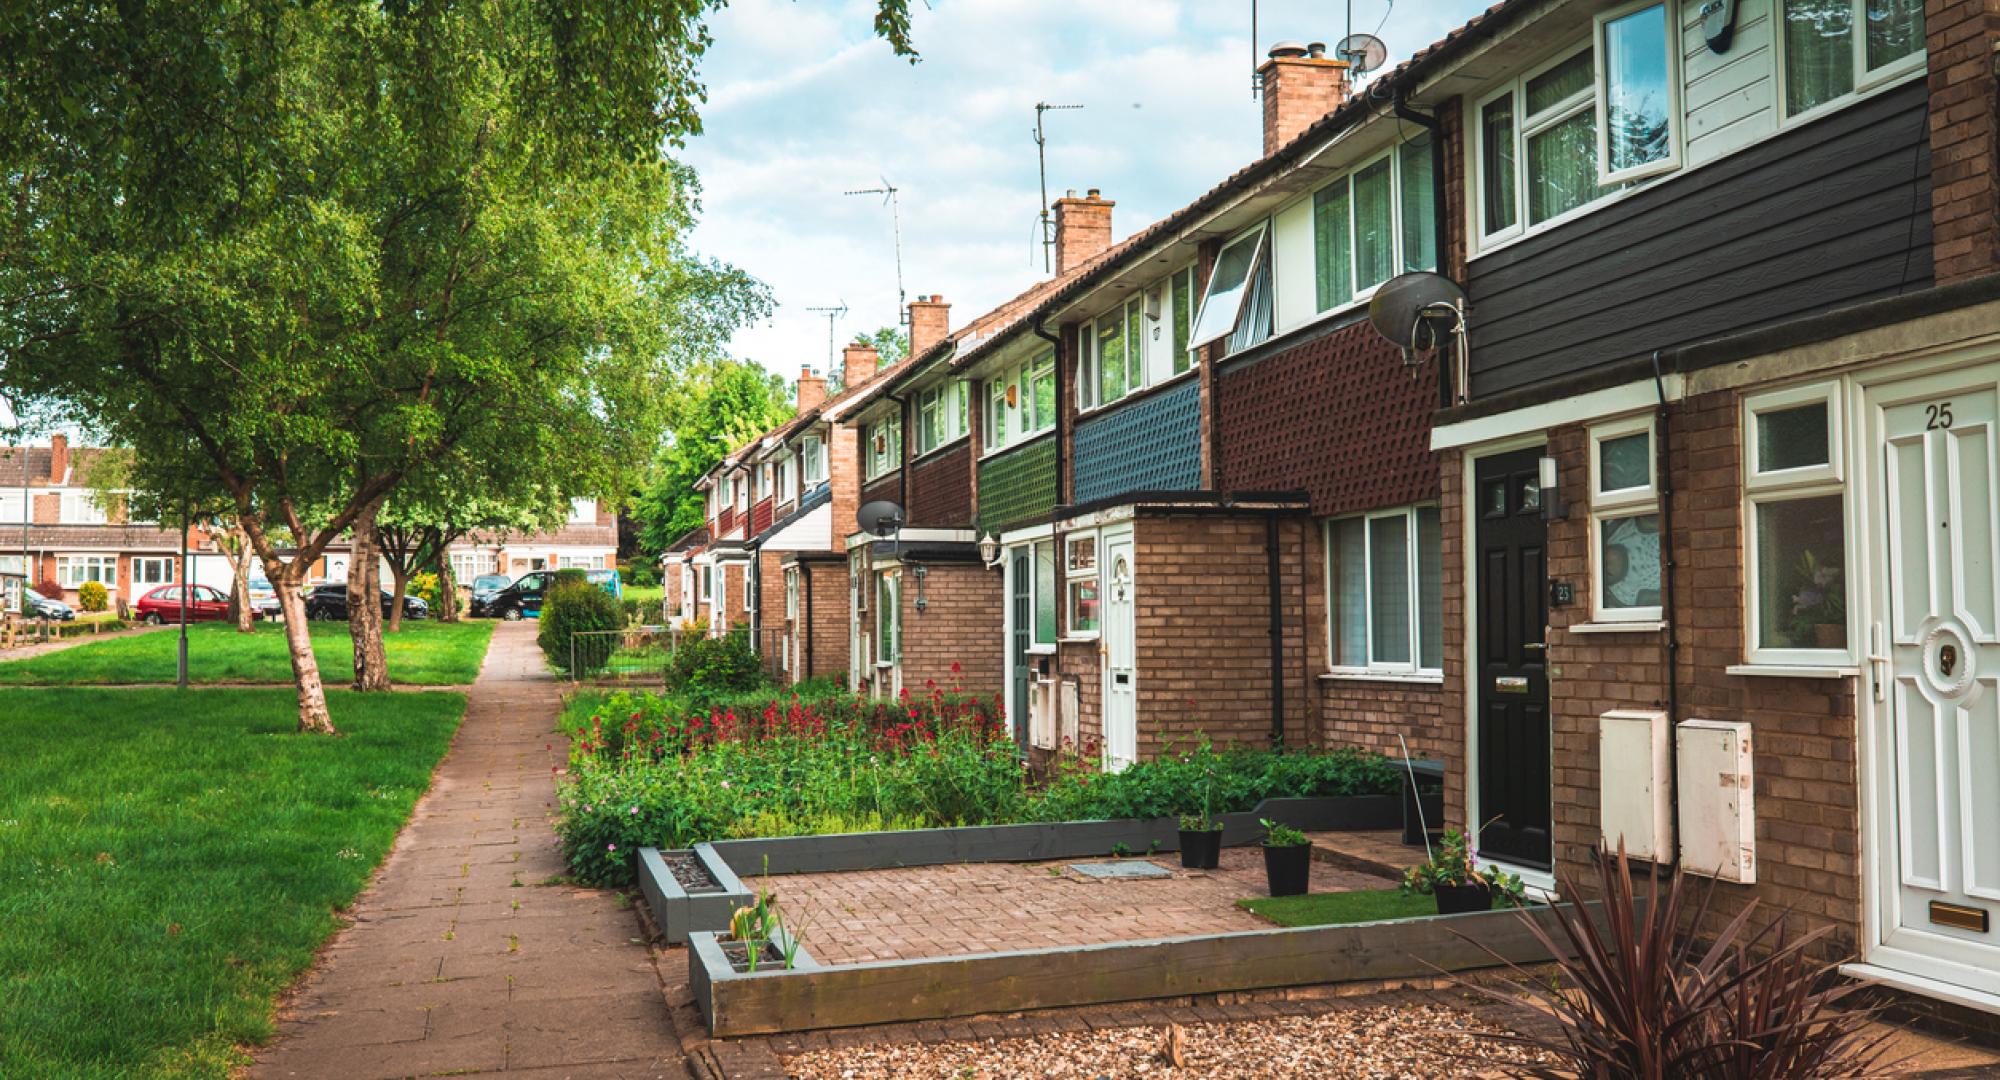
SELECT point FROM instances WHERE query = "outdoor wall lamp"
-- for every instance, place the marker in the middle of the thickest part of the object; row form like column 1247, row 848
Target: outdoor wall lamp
column 922, row 572
column 1553, row 507
column 989, row 550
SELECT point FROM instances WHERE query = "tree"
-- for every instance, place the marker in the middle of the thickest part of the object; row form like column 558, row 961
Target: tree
column 891, row 342
column 216, row 248
column 421, row 522
column 716, row 408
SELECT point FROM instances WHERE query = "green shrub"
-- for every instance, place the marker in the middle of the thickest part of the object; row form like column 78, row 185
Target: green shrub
column 570, row 576
column 575, row 615
column 633, row 611
column 705, row 667
column 425, row 587
column 92, row 596
column 642, row 574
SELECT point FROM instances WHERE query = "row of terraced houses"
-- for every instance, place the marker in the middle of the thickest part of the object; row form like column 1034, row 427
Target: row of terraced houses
column 1695, row 546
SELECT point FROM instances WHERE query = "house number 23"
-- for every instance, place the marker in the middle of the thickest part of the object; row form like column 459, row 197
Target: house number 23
column 1938, row 416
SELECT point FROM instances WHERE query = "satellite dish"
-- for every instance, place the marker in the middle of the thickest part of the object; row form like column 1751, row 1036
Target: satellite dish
column 1363, row 52
column 1406, row 301
column 880, row 518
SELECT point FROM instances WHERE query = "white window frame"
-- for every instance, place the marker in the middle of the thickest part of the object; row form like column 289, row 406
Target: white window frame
column 947, row 402
column 70, row 569
column 1620, row 504
column 812, row 461
column 1259, row 234
column 1413, row 547
column 583, row 511
column 1781, row 485
column 792, row 593
column 889, row 458
column 783, row 472
column 888, row 605
column 1524, row 128
column 708, row 584
column 1072, row 575
column 1398, row 257
column 1866, row 80
column 749, row 594
column 1670, row 13
column 13, row 507
column 1090, row 362
column 78, row 507
column 1010, row 424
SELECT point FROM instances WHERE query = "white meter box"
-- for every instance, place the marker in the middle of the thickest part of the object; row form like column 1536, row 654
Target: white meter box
column 1717, row 800
column 1632, row 783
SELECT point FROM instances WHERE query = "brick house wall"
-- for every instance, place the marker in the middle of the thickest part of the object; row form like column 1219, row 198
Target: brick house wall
column 1964, row 137
column 882, row 489
column 956, row 627
column 771, row 613
column 736, row 574
column 823, row 611
column 941, row 488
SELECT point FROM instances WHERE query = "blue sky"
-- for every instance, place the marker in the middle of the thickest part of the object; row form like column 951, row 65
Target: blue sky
column 804, row 103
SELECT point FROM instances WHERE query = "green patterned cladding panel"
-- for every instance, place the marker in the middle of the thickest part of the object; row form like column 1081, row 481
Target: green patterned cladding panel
column 1153, row 444
column 1017, row 486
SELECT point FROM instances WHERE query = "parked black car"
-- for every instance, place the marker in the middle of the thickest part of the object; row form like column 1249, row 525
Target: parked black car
column 484, row 588
column 41, row 607
column 330, row 602
column 523, row 597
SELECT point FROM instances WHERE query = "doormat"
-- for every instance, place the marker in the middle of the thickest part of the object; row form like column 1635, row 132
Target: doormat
column 1129, row 869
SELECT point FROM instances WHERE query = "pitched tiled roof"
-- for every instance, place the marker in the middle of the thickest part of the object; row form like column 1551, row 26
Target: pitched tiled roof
column 90, row 538
column 14, row 459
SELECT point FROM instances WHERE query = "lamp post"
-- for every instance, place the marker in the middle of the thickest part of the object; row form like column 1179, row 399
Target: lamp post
column 181, row 672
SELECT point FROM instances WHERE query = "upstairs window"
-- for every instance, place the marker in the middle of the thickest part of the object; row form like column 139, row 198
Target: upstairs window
column 941, row 418
column 82, row 508
column 812, row 461
column 1374, row 223
column 1141, row 343
column 1227, row 303
column 1638, row 100
column 783, row 473
column 13, row 507
column 1824, row 59
column 1020, row 402
column 884, row 447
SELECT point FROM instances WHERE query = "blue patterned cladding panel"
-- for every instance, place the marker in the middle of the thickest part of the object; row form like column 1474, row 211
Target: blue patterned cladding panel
column 1150, row 445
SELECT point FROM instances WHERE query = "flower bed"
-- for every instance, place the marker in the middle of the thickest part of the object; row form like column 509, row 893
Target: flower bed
column 649, row 771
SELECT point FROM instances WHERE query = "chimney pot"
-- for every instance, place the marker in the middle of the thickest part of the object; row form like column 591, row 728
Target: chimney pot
column 930, row 321
column 1316, row 50
column 812, row 388
column 1285, row 50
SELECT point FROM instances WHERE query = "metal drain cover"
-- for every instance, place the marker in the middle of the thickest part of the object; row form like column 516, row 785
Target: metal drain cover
column 1131, row 868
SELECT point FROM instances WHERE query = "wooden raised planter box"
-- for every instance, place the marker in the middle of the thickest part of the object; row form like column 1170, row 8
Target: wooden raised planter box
column 680, row 913
column 847, row 995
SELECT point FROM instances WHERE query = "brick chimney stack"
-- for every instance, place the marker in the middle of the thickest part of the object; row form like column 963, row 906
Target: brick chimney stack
column 812, row 388
column 930, row 321
column 58, row 459
column 858, row 363
column 1083, row 229
column 1300, row 85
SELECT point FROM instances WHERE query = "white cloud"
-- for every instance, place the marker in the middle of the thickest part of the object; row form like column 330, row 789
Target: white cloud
column 804, row 103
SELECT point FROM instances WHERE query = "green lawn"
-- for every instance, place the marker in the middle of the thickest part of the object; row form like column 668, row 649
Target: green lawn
column 170, row 861
column 422, row 653
column 1334, row 908
column 649, row 597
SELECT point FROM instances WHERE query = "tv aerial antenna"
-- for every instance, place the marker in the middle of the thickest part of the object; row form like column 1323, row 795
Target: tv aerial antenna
column 1042, row 164
column 888, row 193
column 832, row 314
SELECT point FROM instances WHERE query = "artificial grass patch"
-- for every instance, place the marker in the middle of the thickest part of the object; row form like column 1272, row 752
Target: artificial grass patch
column 423, row 653
column 1338, row 908
column 169, row 862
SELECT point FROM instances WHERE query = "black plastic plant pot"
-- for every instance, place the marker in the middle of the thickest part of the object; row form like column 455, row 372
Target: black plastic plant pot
column 1288, row 870
column 1459, row 899
column 1201, row 849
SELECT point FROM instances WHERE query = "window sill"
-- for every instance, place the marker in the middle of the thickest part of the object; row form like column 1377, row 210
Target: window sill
column 1649, row 626
column 1040, row 648
column 1077, row 639
column 1794, row 671
column 1133, row 395
column 996, row 451
column 940, row 449
column 1410, row 678
column 890, row 475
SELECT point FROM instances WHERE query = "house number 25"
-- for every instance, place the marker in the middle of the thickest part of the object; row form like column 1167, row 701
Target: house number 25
column 1937, row 416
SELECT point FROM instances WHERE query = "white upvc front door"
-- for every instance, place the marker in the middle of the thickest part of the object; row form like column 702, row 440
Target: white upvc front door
column 150, row 573
column 1121, row 711
column 1934, row 744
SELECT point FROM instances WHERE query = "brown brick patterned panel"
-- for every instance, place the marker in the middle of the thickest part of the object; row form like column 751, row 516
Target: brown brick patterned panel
column 941, row 488
column 1338, row 417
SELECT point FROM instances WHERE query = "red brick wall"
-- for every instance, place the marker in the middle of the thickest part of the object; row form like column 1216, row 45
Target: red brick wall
column 1965, row 137
column 1451, row 607
column 771, row 611
column 941, row 488
column 826, row 634
column 1338, row 417
column 958, row 625
column 760, row 516
column 886, row 489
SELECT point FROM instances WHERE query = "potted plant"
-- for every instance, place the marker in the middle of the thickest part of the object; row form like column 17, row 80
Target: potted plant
column 1201, row 842
column 1287, row 859
column 1453, row 876
column 1819, row 604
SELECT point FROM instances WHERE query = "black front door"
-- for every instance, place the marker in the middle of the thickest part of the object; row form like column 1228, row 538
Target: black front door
column 1512, row 686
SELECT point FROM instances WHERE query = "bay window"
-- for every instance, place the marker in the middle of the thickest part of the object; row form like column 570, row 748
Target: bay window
column 941, row 416
column 1795, row 527
column 1385, row 592
column 884, row 447
column 1824, row 59
column 1141, row 343
column 1020, row 401
column 1080, row 574
column 1374, row 223
column 73, row 570
column 1625, row 522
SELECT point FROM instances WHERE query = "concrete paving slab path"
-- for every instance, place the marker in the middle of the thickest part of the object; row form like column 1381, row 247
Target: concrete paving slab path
column 462, row 959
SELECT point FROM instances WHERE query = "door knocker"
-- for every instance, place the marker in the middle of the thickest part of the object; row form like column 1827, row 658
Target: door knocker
column 1947, row 659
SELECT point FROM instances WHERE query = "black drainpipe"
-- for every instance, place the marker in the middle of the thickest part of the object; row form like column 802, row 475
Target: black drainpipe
column 1440, row 211
column 1062, row 411
column 805, row 585
column 1664, row 465
column 1277, row 630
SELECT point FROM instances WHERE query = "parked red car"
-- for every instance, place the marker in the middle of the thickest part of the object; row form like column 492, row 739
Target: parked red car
column 163, row 605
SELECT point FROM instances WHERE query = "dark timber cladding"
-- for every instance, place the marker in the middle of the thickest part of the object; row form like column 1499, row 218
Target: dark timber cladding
column 941, row 487
column 1149, row 444
column 1831, row 213
column 1335, row 414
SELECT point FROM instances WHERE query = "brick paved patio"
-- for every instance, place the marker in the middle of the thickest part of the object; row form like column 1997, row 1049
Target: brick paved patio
column 864, row 915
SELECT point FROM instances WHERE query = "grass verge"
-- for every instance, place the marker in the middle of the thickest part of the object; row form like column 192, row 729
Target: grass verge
column 422, row 653
column 1338, row 908
column 170, row 862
